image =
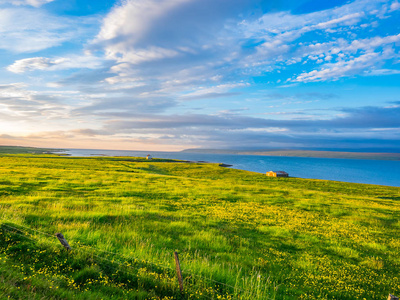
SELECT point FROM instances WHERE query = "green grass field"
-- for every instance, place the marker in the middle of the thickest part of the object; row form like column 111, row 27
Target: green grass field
column 240, row 235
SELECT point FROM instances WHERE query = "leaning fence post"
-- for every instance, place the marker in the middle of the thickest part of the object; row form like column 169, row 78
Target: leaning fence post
column 178, row 271
column 63, row 241
column 391, row 297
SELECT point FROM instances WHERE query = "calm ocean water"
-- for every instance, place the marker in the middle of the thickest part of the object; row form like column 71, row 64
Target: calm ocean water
column 348, row 170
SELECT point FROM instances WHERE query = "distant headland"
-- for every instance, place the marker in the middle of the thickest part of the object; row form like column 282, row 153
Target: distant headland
column 303, row 153
column 28, row 150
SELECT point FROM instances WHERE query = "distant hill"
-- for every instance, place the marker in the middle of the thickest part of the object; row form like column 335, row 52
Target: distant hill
column 302, row 153
column 26, row 150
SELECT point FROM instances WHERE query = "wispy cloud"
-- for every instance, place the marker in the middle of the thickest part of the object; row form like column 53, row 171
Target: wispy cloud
column 35, row 3
column 27, row 30
column 22, row 103
column 380, row 72
column 213, row 91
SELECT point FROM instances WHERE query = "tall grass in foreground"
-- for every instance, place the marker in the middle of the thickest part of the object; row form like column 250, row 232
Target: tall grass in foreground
column 240, row 235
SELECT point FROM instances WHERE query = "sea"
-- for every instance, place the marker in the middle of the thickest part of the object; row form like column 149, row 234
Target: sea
column 380, row 172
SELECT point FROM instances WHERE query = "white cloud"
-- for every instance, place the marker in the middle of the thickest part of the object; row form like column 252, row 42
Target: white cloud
column 22, row 104
column 395, row 6
column 349, row 19
column 30, row 30
column 380, row 72
column 35, row 3
column 44, row 63
column 29, row 64
column 15, row 90
column 340, row 69
column 218, row 89
column 133, row 18
column 136, row 56
column 164, row 44
column 352, row 58
column 290, row 26
column 127, row 24
column 372, row 43
column 125, row 80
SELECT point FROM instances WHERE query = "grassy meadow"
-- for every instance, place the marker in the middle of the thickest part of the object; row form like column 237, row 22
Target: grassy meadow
column 240, row 235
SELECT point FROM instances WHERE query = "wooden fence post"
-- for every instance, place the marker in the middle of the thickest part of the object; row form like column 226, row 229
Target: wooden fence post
column 178, row 271
column 63, row 241
column 391, row 297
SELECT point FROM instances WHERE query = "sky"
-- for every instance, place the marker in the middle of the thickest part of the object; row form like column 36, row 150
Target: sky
column 169, row 75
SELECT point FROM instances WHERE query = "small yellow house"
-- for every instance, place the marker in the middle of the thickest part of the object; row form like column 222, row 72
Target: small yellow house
column 277, row 174
column 148, row 157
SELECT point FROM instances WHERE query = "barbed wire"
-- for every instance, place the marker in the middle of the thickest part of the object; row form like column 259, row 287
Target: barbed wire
column 128, row 257
column 44, row 233
column 20, row 234
column 213, row 280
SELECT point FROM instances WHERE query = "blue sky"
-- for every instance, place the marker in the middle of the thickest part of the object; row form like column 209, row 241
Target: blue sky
column 176, row 74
